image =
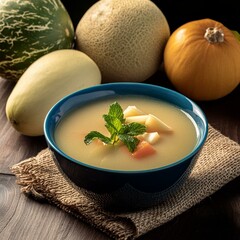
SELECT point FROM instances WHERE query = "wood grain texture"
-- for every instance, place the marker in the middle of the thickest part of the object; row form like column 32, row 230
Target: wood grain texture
column 22, row 218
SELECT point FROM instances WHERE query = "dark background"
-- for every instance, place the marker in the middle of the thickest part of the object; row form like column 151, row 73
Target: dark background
column 176, row 12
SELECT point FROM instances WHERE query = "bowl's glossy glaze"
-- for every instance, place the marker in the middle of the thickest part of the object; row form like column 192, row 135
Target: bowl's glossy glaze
column 124, row 189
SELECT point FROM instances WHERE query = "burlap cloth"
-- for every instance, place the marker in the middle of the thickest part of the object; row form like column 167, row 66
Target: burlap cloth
column 218, row 164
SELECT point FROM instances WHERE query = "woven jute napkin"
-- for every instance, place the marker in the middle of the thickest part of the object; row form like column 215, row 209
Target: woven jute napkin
column 217, row 164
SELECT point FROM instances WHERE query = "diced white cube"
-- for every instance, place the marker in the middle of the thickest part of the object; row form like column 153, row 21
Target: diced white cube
column 138, row 119
column 132, row 111
column 154, row 124
column 152, row 137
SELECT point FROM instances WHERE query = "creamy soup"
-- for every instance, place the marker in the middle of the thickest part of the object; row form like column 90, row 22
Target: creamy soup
column 170, row 146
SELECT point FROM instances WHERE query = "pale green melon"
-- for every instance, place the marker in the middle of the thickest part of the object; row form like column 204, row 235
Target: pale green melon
column 45, row 82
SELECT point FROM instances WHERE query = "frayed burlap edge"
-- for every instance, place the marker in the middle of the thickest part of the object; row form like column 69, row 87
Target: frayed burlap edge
column 40, row 178
column 218, row 164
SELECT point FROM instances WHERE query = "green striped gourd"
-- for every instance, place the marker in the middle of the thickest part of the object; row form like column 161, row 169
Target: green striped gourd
column 30, row 29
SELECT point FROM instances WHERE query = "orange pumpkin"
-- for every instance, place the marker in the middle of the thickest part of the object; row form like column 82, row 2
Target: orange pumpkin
column 202, row 60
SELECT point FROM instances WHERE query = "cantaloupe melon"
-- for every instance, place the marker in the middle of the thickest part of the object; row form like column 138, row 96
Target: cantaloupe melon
column 46, row 81
column 125, row 38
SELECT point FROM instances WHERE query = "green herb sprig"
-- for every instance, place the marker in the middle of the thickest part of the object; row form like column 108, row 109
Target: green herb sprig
column 118, row 128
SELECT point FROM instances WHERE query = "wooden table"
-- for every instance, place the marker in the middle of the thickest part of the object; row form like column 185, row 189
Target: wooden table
column 22, row 218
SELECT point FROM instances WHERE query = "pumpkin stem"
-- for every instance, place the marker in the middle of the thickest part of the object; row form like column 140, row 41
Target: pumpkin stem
column 214, row 35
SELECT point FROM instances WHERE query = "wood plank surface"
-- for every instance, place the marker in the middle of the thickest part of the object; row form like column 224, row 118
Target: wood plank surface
column 22, row 218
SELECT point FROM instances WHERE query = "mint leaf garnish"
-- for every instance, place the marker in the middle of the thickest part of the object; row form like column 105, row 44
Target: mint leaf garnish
column 115, row 110
column 133, row 129
column 130, row 141
column 96, row 135
column 118, row 129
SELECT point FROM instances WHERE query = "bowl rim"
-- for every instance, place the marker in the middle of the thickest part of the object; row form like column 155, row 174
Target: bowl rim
column 98, row 87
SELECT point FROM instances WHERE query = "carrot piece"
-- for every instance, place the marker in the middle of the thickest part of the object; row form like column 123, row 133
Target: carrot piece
column 144, row 149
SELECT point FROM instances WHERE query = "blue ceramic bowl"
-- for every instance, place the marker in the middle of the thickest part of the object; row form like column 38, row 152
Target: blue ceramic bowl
column 115, row 189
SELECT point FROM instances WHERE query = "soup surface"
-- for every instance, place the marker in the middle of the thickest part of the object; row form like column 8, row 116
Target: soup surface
column 72, row 129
